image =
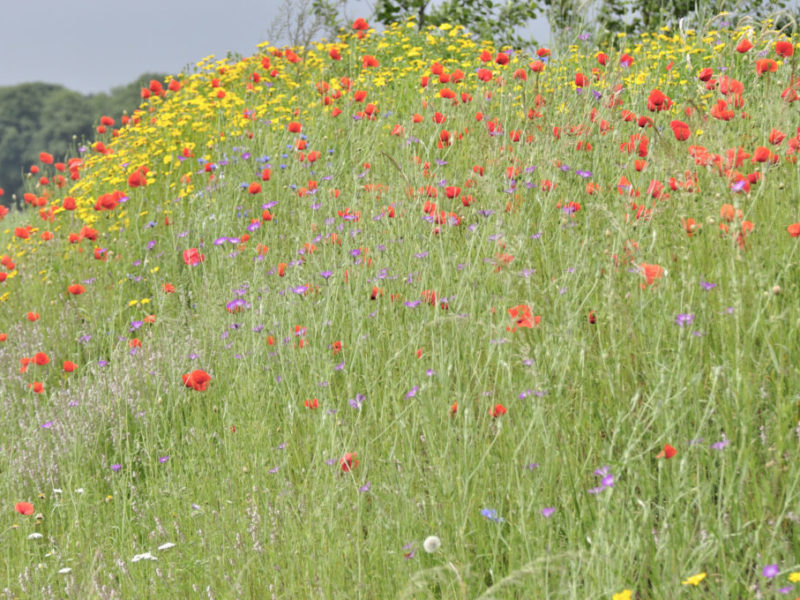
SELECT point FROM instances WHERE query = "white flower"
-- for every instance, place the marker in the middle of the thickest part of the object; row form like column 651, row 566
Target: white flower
column 145, row 556
column 431, row 544
column 57, row 490
column 166, row 546
column 65, row 570
column 79, row 491
column 35, row 536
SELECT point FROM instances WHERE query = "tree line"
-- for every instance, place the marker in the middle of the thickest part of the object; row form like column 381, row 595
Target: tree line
column 37, row 117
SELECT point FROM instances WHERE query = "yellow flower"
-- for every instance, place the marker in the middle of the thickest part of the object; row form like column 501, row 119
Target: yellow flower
column 794, row 577
column 694, row 579
column 623, row 595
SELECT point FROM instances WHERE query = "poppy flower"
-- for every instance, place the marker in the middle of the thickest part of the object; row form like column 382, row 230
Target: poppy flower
column 197, row 380
column 348, row 462
column 32, row 316
column 744, row 45
column 680, row 129
column 523, row 317
column 193, row 257
column 41, row 359
column 24, row 508
column 69, row 366
column 651, row 273
column 667, row 452
column 37, row 387
column 334, row 54
column 76, row 289
column 3, row 337
column 360, row 24
column 311, row 404
column 168, row 288
column 784, row 48
column 497, row 410
column 254, row 188
column 602, row 58
column 766, row 65
column 794, row 229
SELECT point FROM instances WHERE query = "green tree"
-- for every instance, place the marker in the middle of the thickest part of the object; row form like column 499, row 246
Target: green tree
column 36, row 117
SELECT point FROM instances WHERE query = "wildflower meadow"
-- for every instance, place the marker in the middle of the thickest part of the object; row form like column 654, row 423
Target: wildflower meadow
column 408, row 315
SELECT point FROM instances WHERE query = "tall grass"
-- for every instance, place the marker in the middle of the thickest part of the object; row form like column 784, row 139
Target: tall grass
column 506, row 372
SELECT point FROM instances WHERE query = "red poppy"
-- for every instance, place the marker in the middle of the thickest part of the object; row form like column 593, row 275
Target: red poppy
column 348, row 462
column 76, row 289
column 794, row 229
column 168, row 288
column 32, row 316
column 197, row 380
column 360, row 24
column 254, row 188
column 3, row 337
column 776, row 137
column 502, row 58
column 667, row 452
column 658, row 101
column 602, row 58
column 651, row 273
column 580, row 79
column 24, row 508
column 138, row 178
column 359, row 95
column 37, row 387
column 744, row 45
column 536, row 66
column 192, row 256
column 784, row 48
column 766, row 65
column 69, row 366
column 523, row 317
column 369, row 61
column 312, row 404
column 334, row 54
column 41, row 359
column 497, row 410
column 680, row 129
column 294, row 127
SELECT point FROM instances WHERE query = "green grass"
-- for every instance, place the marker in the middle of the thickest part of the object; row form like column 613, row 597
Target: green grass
column 246, row 481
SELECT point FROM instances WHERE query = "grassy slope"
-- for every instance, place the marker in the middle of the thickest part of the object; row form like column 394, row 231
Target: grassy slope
column 246, row 480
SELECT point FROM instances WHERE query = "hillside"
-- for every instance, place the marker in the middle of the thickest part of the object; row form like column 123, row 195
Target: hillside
column 409, row 315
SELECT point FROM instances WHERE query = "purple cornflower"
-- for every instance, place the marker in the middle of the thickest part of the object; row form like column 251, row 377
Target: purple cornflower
column 116, row 467
column 547, row 512
column 770, row 571
column 412, row 392
column 708, row 286
column 491, row 514
column 684, row 319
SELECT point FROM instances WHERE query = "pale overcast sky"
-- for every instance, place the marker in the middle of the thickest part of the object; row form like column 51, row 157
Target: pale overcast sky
column 94, row 45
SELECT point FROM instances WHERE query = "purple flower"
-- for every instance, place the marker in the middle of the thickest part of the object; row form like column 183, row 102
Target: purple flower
column 491, row 514
column 708, row 286
column 116, row 467
column 365, row 487
column 301, row 289
column 47, row 425
column 326, row 274
column 163, row 459
column 412, row 392
column 722, row 444
column 770, row 571
column 684, row 319
column 547, row 512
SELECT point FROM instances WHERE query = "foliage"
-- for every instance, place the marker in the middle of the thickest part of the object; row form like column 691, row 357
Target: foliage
column 38, row 116
column 406, row 316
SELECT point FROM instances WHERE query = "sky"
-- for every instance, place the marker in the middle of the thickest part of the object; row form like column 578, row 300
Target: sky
column 92, row 46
